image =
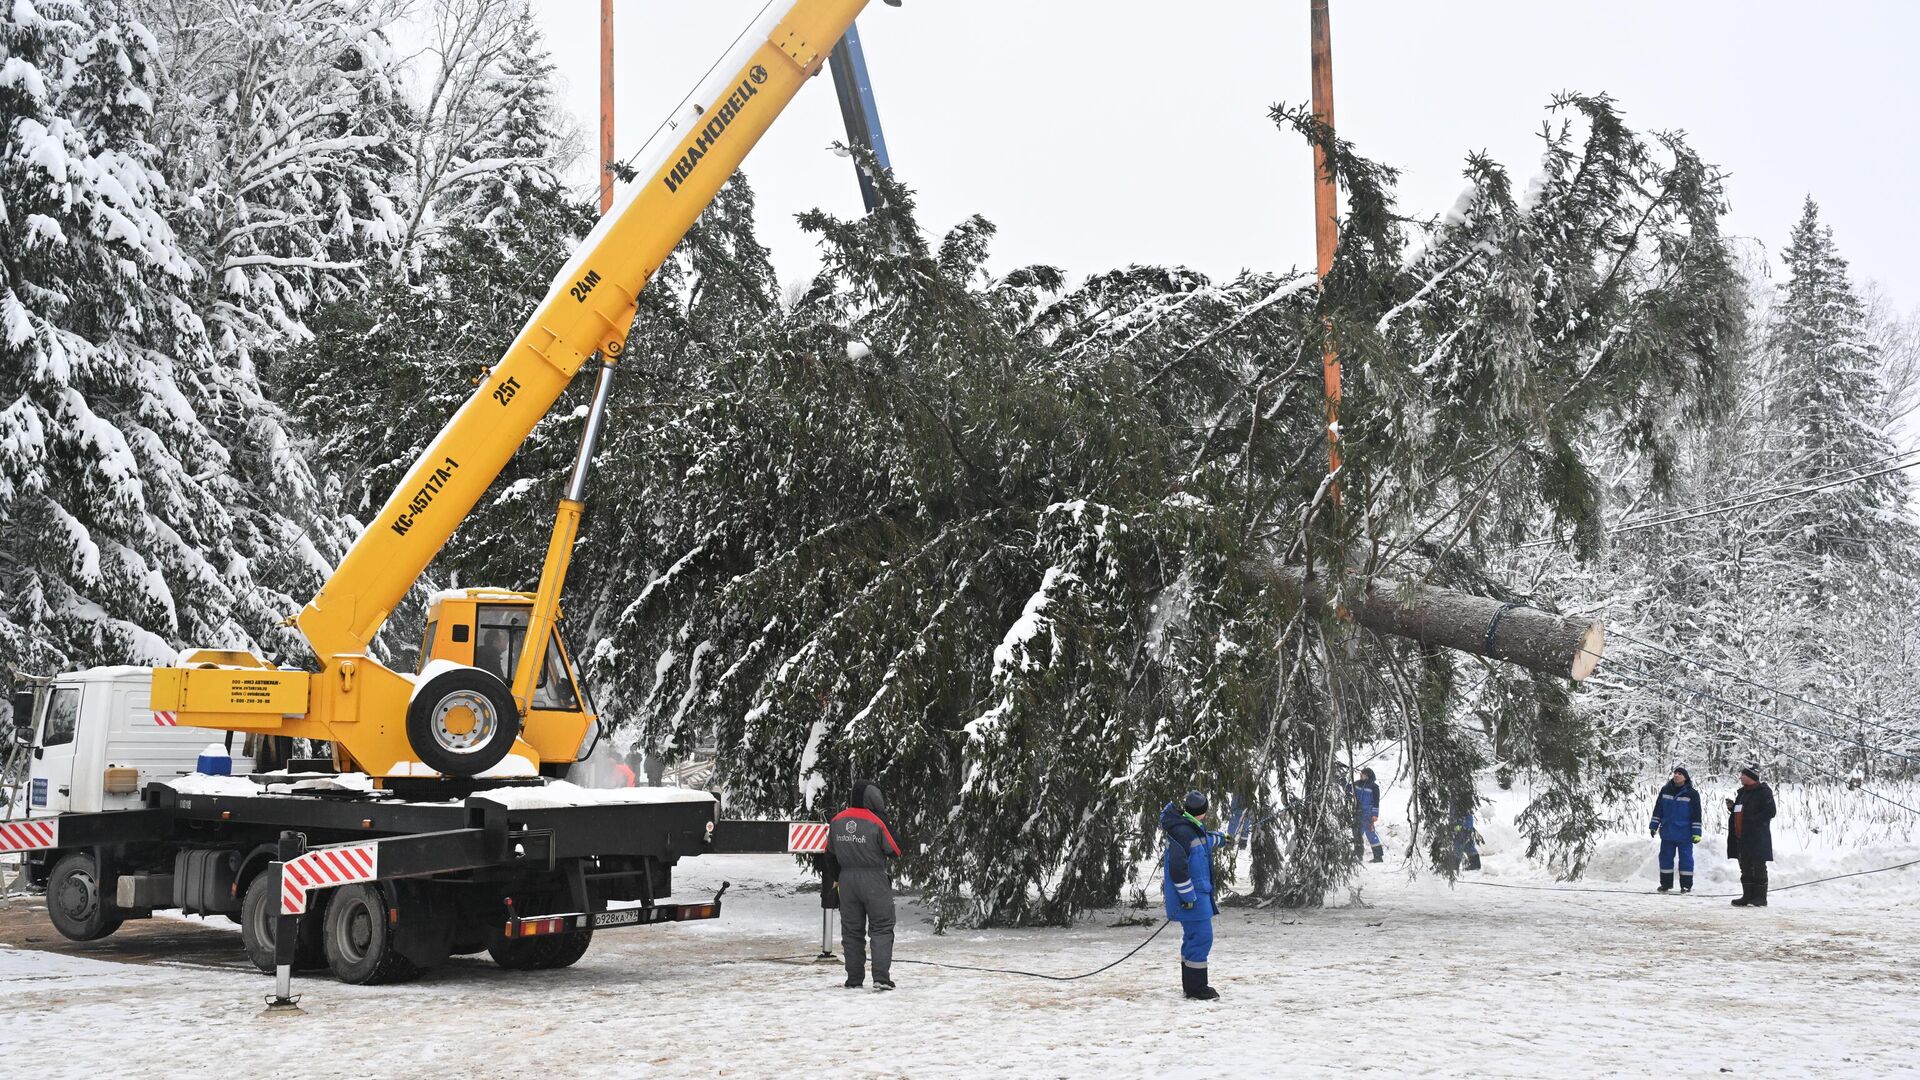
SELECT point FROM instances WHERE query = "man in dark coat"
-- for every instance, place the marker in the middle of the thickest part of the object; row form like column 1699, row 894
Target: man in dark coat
column 859, row 843
column 1676, row 821
column 1188, row 888
column 1750, row 836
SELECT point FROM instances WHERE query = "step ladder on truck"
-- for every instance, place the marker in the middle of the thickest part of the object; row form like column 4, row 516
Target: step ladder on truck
column 439, row 824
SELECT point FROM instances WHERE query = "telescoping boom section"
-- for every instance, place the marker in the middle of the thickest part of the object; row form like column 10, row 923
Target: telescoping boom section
column 459, row 715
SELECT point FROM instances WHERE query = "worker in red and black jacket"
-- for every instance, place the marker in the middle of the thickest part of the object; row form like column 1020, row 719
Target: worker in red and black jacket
column 859, row 843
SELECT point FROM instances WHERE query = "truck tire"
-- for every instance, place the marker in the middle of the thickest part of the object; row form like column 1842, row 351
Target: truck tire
column 571, row 948
column 359, row 940
column 462, row 722
column 76, row 901
column 259, row 919
column 540, row 953
column 522, row 954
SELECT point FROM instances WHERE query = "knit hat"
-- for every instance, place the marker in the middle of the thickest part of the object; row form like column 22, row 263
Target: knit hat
column 1195, row 803
column 1753, row 771
column 1684, row 771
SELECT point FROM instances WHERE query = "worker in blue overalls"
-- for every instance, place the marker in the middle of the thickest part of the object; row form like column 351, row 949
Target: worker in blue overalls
column 1676, row 821
column 1365, row 790
column 1188, row 886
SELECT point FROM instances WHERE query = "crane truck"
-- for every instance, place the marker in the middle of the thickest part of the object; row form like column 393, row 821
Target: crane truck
column 440, row 824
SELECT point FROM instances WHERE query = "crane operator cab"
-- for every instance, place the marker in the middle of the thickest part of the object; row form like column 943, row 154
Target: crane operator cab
column 486, row 629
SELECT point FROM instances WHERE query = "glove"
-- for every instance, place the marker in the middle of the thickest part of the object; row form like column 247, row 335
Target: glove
column 1696, row 839
column 1186, row 905
column 1653, row 830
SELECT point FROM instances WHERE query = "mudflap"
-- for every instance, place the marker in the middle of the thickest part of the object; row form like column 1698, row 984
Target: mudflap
column 424, row 932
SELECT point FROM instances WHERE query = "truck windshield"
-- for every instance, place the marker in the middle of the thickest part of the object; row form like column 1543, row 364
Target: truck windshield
column 503, row 633
column 63, row 712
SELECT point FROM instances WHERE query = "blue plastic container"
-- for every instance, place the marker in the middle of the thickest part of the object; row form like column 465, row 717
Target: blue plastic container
column 214, row 761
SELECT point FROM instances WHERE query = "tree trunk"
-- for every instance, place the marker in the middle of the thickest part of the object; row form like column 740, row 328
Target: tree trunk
column 1533, row 639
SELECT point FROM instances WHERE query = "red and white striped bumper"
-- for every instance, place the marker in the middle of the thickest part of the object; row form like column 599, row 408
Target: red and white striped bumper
column 32, row 835
column 807, row 837
column 323, row 868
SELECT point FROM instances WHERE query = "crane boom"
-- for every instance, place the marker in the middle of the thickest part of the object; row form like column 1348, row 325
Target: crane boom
column 590, row 307
column 487, row 693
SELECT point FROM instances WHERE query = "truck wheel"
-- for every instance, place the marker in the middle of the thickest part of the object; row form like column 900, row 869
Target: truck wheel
column 359, row 940
column 75, row 901
column 259, row 919
column 521, row 954
column 462, row 722
column 571, row 948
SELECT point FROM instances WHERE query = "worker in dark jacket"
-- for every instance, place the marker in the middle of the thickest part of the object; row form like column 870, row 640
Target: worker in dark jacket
column 1188, row 888
column 1750, row 836
column 1676, row 821
column 1366, row 814
column 859, row 843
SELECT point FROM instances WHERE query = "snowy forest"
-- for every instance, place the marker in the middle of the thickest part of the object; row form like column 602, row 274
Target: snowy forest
column 1000, row 540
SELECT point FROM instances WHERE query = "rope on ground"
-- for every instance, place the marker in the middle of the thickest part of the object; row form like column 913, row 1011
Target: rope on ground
column 1706, row 896
column 1039, row 974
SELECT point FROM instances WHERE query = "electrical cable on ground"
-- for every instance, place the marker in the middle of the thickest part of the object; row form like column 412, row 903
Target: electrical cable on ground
column 1039, row 974
column 1700, row 894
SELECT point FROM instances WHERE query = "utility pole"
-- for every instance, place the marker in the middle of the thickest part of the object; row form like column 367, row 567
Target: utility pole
column 1326, row 221
column 606, row 105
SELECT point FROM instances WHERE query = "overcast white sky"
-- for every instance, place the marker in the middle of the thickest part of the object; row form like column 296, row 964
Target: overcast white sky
column 1095, row 134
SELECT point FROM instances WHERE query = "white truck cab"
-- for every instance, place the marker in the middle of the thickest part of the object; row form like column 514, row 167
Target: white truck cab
column 93, row 742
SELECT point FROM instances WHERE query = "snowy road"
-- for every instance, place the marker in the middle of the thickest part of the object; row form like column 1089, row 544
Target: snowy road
column 1424, row 982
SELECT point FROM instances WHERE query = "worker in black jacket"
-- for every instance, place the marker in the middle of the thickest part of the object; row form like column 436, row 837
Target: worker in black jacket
column 1750, row 836
column 859, row 843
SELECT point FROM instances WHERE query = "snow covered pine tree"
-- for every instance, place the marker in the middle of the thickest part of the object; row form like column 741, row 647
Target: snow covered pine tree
column 144, row 487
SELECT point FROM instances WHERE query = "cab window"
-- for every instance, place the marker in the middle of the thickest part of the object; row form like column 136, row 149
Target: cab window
column 63, row 713
column 503, row 633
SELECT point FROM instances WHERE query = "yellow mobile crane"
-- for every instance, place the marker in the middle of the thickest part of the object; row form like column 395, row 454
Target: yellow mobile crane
column 496, row 678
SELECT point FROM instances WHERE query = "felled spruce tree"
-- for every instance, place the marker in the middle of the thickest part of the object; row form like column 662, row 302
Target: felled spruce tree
column 999, row 544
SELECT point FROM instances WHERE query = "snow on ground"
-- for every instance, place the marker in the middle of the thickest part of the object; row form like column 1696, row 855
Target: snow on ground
column 1422, row 980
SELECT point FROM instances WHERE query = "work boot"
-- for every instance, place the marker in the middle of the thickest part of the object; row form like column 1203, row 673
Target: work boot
column 1746, row 894
column 882, row 983
column 1193, row 980
column 1686, row 884
column 1379, row 853
column 1473, row 861
column 1666, row 881
column 852, row 983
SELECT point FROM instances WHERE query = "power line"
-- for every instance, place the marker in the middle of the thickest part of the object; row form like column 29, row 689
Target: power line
column 627, row 162
column 1636, row 527
column 1650, row 679
column 1763, row 686
column 1794, row 723
column 1821, row 475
